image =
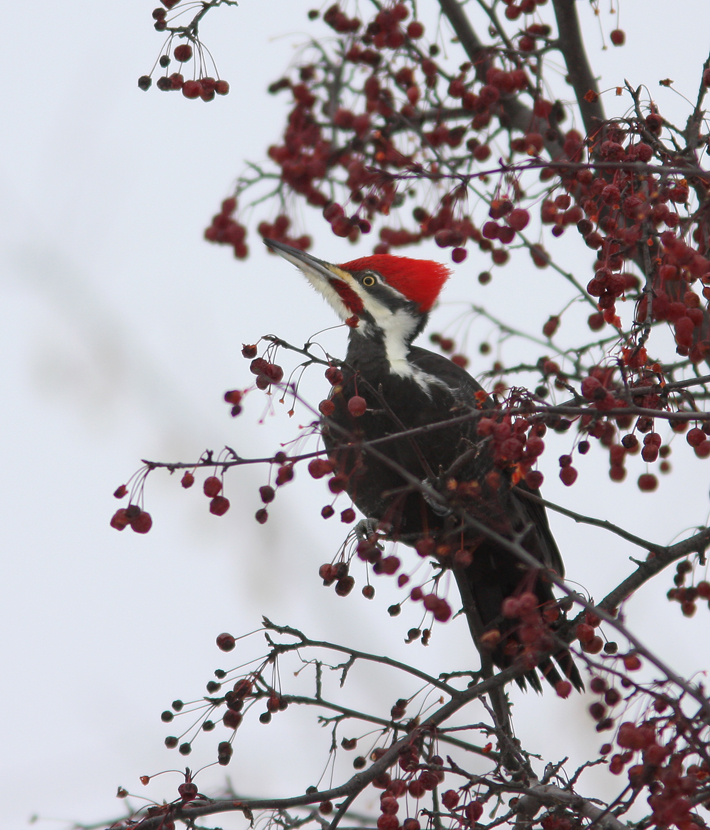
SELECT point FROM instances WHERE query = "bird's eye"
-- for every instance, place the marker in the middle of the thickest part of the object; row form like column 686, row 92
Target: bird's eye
column 368, row 281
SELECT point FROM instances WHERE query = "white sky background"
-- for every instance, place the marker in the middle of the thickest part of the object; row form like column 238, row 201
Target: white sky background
column 121, row 329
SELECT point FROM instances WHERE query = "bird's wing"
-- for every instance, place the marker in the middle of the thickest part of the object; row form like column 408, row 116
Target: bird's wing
column 453, row 375
column 467, row 390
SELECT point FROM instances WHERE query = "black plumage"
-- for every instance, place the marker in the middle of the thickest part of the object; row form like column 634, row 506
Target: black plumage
column 386, row 302
column 397, row 403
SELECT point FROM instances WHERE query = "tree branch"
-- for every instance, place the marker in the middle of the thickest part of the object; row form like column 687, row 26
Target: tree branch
column 579, row 72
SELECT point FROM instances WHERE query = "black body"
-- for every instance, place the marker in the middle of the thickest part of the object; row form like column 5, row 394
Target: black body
column 386, row 299
column 379, row 491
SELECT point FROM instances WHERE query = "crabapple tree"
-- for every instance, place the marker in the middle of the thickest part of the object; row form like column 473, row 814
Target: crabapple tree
column 413, row 121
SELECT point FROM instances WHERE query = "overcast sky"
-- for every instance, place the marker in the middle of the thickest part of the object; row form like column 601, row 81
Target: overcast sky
column 121, row 330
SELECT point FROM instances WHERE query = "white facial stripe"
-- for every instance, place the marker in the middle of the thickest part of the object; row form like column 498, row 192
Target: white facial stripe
column 397, row 329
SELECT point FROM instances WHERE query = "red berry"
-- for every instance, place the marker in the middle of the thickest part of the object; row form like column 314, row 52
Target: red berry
column 183, row 52
column 632, row 662
column 551, row 326
column 617, row 472
column 119, row 520
column 347, row 516
column 589, row 387
column 449, row 799
column 221, row 87
column 212, row 486
column 357, row 406
column 142, row 523
column 248, row 351
column 459, row 255
column 225, row 642
column 319, row 467
column 267, row 493
column 596, row 321
column 327, row 511
column 333, row 375
column 326, row 408
column 647, row 482
column 617, row 37
column 234, row 396
column 120, row 492
column 368, row 592
column 261, row 515
column 518, row 219
column 344, row 586
column 568, row 476
column 284, row 474
column 273, row 372
column 563, row 688
column 192, row 89
column 695, row 437
column 416, row 29
column 219, row 506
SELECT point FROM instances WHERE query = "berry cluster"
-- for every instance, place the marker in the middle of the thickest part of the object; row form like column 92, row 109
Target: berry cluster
column 204, row 87
column 277, row 230
column 245, row 693
column 516, row 444
column 225, row 230
column 530, row 637
column 133, row 515
column 401, row 85
column 666, row 765
column 688, row 597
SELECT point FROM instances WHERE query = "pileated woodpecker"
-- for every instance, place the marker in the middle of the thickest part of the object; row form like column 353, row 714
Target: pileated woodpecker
column 386, row 302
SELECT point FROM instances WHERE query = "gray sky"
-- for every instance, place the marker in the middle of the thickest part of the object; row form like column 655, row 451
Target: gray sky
column 121, row 329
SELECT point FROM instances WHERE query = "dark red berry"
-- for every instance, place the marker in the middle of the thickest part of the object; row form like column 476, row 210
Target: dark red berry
column 212, row 486
column 357, row 406
column 225, row 642
column 647, row 482
column 284, row 474
column 333, row 375
column 568, row 475
column 319, row 467
column 183, row 52
column 267, row 493
column 142, row 523
column 234, row 397
column 219, row 506
column 120, row 520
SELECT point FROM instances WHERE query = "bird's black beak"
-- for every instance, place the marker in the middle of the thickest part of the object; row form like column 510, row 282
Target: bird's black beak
column 339, row 287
